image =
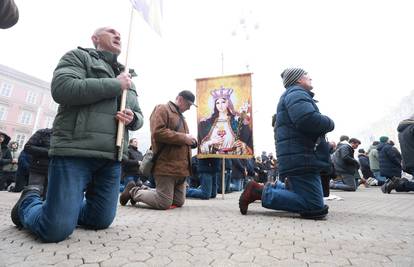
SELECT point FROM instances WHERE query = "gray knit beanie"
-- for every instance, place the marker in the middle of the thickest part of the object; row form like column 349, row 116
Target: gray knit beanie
column 291, row 75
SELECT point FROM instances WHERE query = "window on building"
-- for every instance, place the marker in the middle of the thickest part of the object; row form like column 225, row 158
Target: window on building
column 20, row 139
column 26, row 117
column 31, row 97
column 6, row 89
column 49, row 122
column 3, row 113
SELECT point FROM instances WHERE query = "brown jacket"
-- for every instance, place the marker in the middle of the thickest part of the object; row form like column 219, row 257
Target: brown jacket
column 175, row 157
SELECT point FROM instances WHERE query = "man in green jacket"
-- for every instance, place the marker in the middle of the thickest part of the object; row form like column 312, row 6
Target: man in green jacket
column 83, row 179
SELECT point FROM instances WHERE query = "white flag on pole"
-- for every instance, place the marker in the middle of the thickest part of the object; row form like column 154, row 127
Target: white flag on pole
column 151, row 11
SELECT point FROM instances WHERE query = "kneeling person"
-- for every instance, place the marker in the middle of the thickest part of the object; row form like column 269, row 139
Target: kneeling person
column 83, row 177
column 170, row 139
column 299, row 125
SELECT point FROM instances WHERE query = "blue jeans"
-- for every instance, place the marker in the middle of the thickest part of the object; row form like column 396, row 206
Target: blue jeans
column 81, row 191
column 405, row 186
column 127, row 179
column 236, row 184
column 347, row 183
column 208, row 186
column 304, row 194
column 381, row 179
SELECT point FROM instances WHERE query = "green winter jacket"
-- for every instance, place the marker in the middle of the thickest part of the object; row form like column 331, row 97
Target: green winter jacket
column 87, row 91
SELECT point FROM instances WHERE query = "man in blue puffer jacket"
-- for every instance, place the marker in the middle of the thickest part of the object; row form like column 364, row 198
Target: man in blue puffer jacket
column 299, row 129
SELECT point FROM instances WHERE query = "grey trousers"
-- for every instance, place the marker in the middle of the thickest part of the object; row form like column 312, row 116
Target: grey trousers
column 169, row 191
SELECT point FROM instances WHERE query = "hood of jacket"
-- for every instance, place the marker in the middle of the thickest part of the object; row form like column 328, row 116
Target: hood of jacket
column 381, row 146
column 6, row 139
column 362, row 156
column 404, row 124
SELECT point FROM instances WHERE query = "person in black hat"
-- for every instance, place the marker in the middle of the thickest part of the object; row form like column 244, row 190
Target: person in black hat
column 188, row 96
column 171, row 144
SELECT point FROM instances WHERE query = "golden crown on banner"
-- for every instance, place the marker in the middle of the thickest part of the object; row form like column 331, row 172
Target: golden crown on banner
column 222, row 93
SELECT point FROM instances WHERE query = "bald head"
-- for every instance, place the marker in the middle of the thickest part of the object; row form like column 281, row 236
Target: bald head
column 107, row 39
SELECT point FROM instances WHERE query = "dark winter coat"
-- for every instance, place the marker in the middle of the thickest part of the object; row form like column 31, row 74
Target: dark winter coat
column 344, row 161
column 37, row 147
column 130, row 166
column 227, row 165
column 329, row 171
column 238, row 168
column 250, row 166
column 11, row 168
column 390, row 160
column 194, row 166
column 261, row 172
column 365, row 169
column 406, row 137
column 299, row 124
column 9, row 14
column 5, row 153
column 209, row 165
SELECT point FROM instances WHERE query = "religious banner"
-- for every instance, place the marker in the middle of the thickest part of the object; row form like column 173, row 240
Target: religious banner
column 224, row 117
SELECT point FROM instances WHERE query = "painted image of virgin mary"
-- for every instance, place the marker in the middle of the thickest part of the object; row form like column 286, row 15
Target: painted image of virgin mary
column 225, row 131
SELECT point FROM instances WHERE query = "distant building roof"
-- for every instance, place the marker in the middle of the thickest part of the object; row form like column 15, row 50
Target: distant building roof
column 17, row 75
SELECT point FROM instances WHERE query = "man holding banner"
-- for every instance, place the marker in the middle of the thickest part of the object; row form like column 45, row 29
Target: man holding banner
column 301, row 150
column 83, row 181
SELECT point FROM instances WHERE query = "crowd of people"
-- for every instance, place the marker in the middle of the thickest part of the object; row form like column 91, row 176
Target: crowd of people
column 69, row 176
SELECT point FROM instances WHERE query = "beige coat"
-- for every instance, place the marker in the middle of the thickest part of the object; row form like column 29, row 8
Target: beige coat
column 175, row 157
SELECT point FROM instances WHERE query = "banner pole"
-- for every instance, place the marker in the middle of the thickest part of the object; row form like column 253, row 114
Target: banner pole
column 223, row 185
column 121, row 126
column 222, row 62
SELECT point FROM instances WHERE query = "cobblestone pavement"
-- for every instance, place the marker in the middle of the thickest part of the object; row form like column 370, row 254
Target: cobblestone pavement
column 367, row 228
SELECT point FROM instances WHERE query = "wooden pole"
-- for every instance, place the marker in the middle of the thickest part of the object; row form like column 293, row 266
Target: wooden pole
column 223, row 180
column 121, row 126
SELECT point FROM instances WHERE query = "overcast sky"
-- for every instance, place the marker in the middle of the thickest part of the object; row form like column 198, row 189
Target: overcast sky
column 359, row 53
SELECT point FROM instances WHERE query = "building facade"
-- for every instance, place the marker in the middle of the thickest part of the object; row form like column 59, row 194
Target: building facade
column 387, row 126
column 26, row 105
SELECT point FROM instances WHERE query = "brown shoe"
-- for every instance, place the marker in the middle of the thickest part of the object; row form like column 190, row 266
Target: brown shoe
column 252, row 192
column 125, row 195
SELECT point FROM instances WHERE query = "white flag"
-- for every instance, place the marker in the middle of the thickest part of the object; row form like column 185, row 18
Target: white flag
column 151, row 11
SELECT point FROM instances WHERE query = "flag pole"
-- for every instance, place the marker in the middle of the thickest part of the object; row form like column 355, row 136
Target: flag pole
column 121, row 126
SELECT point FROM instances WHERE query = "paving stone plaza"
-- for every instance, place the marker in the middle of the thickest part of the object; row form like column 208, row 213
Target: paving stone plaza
column 367, row 228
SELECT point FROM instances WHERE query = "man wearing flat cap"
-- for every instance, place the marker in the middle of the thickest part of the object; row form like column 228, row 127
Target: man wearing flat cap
column 172, row 143
column 302, row 152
